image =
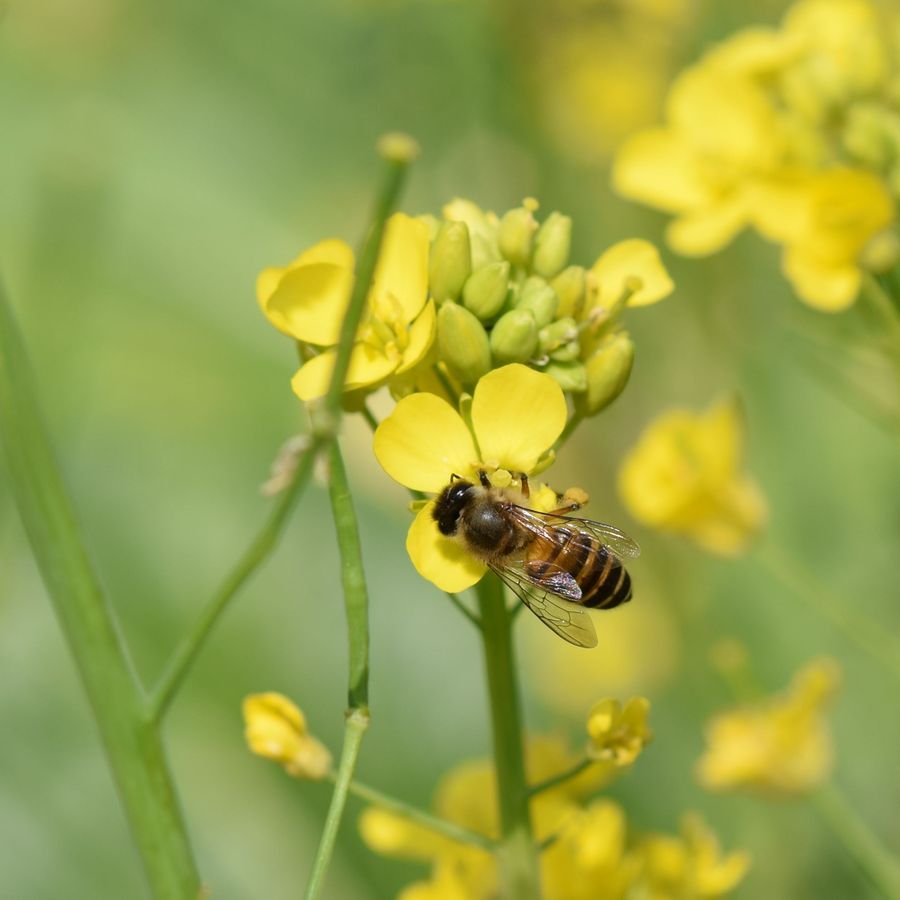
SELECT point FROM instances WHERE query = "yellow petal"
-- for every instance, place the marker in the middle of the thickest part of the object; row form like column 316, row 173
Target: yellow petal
column 827, row 288
column 517, row 414
column 423, row 442
column 402, row 268
column 657, row 167
column 266, row 282
column 708, row 229
column 633, row 265
column 310, row 301
column 441, row 560
column 367, row 367
column 421, row 337
column 332, row 250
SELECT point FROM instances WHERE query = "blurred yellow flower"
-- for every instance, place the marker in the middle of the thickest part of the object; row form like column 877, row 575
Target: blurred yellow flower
column 781, row 746
column 691, row 866
column 618, row 734
column 516, row 416
column 588, row 856
column 276, row 728
column 793, row 131
column 684, row 476
column 307, row 300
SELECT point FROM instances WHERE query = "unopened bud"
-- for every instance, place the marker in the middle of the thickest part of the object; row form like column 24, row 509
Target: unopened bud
column 570, row 376
column 515, row 337
column 551, row 245
column 515, row 235
column 462, row 343
column 537, row 296
column 569, row 286
column 432, row 223
column 557, row 334
column 881, row 253
column 450, row 261
column 608, row 371
column 867, row 134
column 484, row 293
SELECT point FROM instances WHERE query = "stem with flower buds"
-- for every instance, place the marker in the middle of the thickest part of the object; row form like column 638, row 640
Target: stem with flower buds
column 517, row 853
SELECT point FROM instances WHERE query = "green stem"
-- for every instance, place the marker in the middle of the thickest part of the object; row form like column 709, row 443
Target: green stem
column 265, row 542
column 882, row 303
column 454, row 599
column 420, row 816
column 562, row 777
column 517, row 853
column 874, row 639
column 132, row 743
column 357, row 723
column 353, row 579
column 874, row 860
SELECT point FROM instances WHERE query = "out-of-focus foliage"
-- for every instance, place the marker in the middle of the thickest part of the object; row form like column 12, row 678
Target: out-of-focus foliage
column 155, row 158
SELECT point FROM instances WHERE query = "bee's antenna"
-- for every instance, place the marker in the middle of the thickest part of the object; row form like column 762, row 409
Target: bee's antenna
column 455, row 477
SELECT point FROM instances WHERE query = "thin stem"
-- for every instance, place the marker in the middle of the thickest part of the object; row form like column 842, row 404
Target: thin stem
column 420, row 816
column 265, row 542
column 355, row 728
column 874, row 860
column 518, row 855
column 132, row 743
column 882, row 303
column 369, row 416
column 353, row 579
column 875, row 640
column 454, row 599
column 562, row 777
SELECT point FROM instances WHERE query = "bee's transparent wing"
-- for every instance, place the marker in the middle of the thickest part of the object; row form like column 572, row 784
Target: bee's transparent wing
column 619, row 542
column 566, row 618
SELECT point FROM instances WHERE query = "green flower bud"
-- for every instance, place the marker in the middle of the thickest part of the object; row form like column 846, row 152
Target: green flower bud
column 551, row 245
column 537, row 296
column 432, row 223
column 570, row 287
column 515, row 235
column 462, row 343
column 608, row 371
column 557, row 334
column 567, row 353
column 484, row 293
column 570, row 376
column 450, row 261
column 515, row 337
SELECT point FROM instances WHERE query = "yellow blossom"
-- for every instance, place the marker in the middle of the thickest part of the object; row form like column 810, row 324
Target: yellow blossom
column 690, row 866
column 276, row 728
column 684, row 476
column 590, row 853
column 781, row 745
column 516, row 416
column 307, row 300
column 618, row 734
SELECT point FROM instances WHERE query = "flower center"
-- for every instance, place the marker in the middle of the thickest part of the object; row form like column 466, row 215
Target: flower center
column 386, row 330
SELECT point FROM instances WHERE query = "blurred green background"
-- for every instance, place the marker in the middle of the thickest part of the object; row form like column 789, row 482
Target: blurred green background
column 154, row 158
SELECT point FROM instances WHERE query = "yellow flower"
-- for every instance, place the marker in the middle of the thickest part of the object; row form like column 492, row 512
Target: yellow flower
column 825, row 220
column 781, row 746
column 689, row 867
column 276, row 728
column 684, row 476
column 633, row 267
column 590, row 854
column 516, row 415
column 307, row 301
column 618, row 734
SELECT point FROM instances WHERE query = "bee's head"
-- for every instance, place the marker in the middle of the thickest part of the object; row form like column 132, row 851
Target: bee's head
column 452, row 500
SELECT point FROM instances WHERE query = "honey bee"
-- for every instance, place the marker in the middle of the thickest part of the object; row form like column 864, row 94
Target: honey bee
column 556, row 563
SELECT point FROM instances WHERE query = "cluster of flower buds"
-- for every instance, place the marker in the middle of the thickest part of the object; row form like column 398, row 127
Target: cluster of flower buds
column 506, row 293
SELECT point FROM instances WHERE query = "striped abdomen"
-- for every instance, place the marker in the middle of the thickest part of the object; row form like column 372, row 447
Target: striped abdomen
column 599, row 573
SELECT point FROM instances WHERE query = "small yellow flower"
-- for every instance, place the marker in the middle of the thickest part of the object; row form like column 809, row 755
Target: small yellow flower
column 618, row 734
column 276, row 728
column 781, row 746
column 633, row 267
column 307, row 300
column 689, row 867
column 516, row 415
column 684, row 476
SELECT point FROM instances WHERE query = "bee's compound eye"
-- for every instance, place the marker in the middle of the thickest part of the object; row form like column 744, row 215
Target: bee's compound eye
column 449, row 505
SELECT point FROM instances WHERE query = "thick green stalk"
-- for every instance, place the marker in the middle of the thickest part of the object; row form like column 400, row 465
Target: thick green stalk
column 517, row 853
column 193, row 642
column 880, row 867
column 132, row 743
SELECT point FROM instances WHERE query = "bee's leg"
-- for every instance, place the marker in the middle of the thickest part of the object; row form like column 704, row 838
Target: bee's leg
column 524, row 486
column 483, row 478
column 569, row 502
